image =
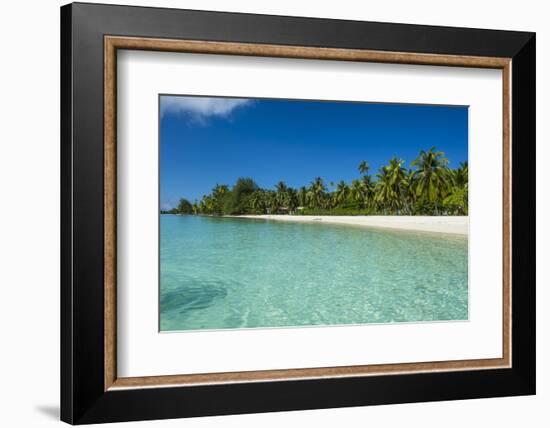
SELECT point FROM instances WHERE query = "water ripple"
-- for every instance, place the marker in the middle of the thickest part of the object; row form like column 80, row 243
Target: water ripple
column 234, row 273
column 191, row 298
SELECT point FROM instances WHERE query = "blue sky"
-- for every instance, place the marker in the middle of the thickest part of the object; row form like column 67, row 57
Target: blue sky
column 209, row 140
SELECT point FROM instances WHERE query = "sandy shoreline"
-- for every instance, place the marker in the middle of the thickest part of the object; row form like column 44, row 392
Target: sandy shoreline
column 457, row 225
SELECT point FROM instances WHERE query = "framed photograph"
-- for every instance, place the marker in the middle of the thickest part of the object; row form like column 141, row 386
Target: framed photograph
column 265, row 213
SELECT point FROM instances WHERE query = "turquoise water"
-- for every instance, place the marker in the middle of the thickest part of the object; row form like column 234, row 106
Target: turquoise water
column 218, row 273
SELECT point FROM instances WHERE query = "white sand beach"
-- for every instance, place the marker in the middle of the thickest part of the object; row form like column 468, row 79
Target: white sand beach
column 457, row 225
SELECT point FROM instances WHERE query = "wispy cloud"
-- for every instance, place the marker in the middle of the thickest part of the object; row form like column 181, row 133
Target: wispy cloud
column 200, row 108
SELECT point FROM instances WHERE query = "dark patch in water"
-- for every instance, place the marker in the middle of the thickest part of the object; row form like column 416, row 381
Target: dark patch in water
column 189, row 298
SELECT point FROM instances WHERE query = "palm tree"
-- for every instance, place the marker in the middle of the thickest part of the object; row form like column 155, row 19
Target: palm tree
column 396, row 171
column 282, row 194
column 385, row 190
column 292, row 199
column 271, row 201
column 398, row 181
column 423, row 189
column 369, row 189
column 457, row 199
column 431, row 176
column 281, row 187
column 409, row 194
column 258, row 201
column 218, row 195
column 364, row 168
column 302, row 196
column 317, row 192
column 357, row 192
column 207, row 205
column 220, row 189
column 460, row 175
column 342, row 191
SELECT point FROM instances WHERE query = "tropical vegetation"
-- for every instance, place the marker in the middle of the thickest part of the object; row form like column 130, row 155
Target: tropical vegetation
column 428, row 187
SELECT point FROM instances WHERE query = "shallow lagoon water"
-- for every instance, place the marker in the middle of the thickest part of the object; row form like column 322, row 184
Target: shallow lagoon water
column 218, row 273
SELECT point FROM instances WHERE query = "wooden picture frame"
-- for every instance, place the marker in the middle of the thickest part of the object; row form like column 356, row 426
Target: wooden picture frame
column 91, row 390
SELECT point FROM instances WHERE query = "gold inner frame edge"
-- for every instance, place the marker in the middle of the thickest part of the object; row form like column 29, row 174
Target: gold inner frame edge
column 113, row 43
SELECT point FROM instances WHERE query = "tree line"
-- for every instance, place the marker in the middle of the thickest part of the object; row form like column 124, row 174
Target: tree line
column 428, row 187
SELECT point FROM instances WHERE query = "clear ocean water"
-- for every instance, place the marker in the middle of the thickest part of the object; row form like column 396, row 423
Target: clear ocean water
column 218, row 273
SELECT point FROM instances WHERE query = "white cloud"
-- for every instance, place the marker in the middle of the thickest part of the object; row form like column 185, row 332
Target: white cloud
column 200, row 107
